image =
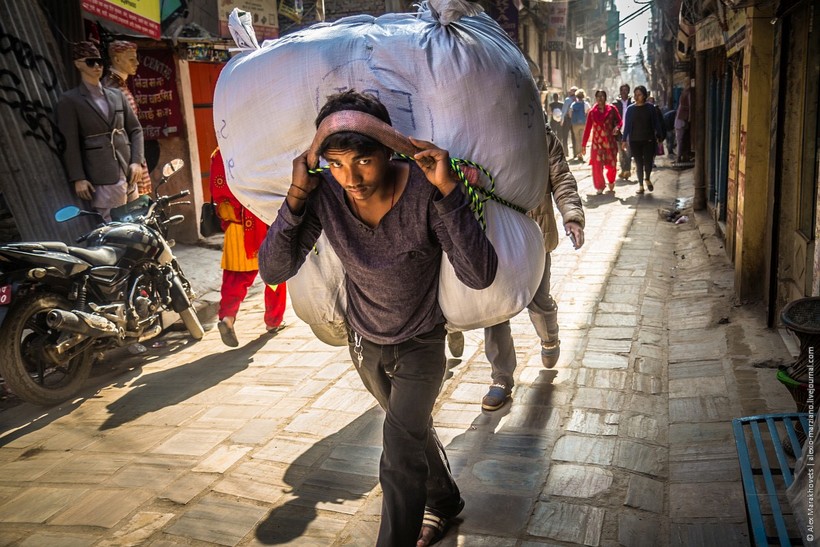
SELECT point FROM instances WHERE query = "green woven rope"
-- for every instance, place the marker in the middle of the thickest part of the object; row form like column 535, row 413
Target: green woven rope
column 476, row 195
column 788, row 381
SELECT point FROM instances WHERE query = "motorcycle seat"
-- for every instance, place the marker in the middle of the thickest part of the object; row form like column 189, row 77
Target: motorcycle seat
column 53, row 246
column 97, row 256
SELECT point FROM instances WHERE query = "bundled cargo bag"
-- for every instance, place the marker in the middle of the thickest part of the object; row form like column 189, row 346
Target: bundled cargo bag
column 518, row 242
column 318, row 294
column 449, row 75
column 463, row 85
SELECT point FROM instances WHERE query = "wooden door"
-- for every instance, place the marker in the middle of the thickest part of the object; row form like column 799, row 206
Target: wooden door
column 203, row 82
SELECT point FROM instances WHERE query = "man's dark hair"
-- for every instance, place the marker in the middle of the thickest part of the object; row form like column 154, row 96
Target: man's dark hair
column 624, row 86
column 642, row 89
column 349, row 140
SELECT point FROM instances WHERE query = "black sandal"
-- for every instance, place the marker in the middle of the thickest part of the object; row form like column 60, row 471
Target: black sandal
column 437, row 523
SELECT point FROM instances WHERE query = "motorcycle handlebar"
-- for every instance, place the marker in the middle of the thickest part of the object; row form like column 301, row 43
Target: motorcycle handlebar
column 176, row 196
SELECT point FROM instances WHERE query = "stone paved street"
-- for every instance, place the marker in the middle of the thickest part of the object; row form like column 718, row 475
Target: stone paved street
column 626, row 442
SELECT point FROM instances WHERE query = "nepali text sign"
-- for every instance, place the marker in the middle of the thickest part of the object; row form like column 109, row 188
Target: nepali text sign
column 142, row 16
column 505, row 13
column 264, row 13
column 556, row 25
column 155, row 90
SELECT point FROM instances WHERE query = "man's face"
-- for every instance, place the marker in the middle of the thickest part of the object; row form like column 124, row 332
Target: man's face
column 126, row 61
column 624, row 92
column 572, row 91
column 90, row 73
column 359, row 174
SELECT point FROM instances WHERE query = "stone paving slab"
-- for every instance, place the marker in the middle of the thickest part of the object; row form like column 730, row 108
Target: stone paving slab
column 577, row 481
column 236, row 520
column 39, row 503
column 104, row 508
column 565, row 522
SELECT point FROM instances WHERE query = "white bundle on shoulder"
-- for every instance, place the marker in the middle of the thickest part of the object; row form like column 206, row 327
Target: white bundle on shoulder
column 318, row 294
column 464, row 86
column 448, row 74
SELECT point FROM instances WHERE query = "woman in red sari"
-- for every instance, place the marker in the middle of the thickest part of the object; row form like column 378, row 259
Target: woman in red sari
column 603, row 122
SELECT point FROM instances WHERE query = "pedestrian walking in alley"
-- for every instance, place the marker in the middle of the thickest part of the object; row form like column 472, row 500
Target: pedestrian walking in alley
column 543, row 311
column 669, row 127
column 642, row 131
column 659, row 146
column 603, row 125
column 103, row 139
column 388, row 220
column 566, row 122
column 554, row 114
column 244, row 234
column 682, row 120
column 578, row 113
column 622, row 103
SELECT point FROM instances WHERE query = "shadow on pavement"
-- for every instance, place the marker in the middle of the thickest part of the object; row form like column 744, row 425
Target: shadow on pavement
column 593, row 201
column 19, row 418
column 341, row 467
column 502, row 460
column 344, row 467
column 170, row 387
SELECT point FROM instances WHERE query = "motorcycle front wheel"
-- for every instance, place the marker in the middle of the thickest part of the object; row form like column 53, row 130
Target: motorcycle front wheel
column 192, row 323
column 29, row 364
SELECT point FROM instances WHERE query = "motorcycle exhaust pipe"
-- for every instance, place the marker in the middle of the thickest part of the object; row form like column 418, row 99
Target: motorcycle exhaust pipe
column 81, row 323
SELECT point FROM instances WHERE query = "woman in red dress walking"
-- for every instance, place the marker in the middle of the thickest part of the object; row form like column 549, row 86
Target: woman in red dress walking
column 603, row 122
column 244, row 234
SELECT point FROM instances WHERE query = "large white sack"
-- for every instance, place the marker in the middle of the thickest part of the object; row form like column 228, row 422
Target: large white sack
column 318, row 294
column 464, row 86
column 319, row 297
column 519, row 244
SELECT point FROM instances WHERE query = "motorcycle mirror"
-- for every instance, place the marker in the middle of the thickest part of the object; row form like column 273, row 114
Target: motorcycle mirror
column 67, row 213
column 172, row 167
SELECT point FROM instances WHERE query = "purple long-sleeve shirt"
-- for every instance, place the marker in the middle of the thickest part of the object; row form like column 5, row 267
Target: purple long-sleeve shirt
column 392, row 271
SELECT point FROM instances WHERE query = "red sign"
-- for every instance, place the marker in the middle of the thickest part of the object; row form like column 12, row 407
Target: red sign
column 127, row 18
column 5, row 295
column 155, row 90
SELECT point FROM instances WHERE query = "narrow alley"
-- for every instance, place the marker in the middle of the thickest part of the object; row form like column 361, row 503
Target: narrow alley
column 627, row 441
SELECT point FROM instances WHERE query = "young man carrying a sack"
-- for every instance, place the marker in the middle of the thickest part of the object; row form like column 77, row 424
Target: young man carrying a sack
column 388, row 221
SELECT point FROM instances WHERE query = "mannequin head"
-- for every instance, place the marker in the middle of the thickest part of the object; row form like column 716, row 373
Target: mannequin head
column 123, row 57
column 88, row 62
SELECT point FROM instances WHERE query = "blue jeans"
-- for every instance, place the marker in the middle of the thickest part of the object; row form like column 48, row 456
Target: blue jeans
column 405, row 379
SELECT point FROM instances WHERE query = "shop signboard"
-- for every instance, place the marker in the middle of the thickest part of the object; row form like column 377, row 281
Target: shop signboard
column 155, row 90
column 142, row 16
column 556, row 25
column 505, row 13
column 736, row 31
column 264, row 13
column 708, row 34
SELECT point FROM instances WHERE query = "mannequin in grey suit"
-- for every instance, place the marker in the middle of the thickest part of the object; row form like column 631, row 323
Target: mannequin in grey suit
column 103, row 138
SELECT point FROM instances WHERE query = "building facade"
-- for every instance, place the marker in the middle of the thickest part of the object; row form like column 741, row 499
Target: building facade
column 755, row 71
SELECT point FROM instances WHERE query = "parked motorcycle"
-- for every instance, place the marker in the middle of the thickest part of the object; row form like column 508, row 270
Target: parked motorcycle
column 60, row 305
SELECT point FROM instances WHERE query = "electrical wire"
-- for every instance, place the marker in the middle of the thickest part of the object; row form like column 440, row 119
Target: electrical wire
column 631, row 16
